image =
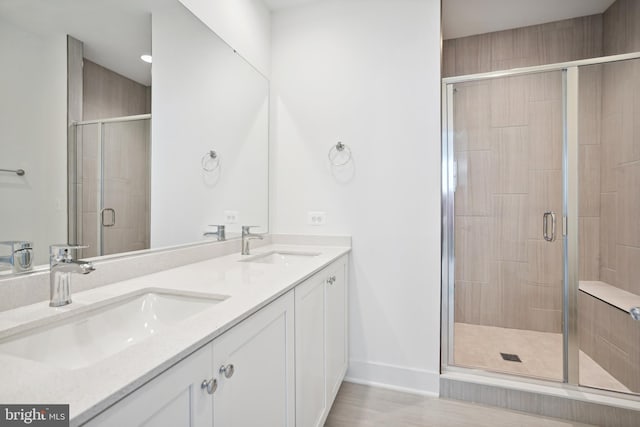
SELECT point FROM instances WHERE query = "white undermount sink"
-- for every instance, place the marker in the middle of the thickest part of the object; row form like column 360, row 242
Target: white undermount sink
column 91, row 336
column 281, row 257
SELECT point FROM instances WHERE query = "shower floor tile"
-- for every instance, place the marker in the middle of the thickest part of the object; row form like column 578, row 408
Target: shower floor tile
column 477, row 346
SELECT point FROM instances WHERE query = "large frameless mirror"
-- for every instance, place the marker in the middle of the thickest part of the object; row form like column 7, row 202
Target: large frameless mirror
column 120, row 154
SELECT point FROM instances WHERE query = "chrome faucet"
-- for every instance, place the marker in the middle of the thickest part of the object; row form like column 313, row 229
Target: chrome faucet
column 247, row 236
column 62, row 265
column 21, row 256
column 219, row 233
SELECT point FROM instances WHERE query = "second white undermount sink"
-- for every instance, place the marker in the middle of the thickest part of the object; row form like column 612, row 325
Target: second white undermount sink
column 94, row 335
column 281, row 257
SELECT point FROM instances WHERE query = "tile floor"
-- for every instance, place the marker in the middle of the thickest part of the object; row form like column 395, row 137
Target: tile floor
column 477, row 346
column 363, row 406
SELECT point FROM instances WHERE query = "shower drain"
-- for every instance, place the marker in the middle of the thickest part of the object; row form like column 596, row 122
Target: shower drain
column 510, row 357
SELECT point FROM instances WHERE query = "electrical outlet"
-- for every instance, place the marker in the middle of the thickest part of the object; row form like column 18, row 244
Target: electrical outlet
column 231, row 217
column 316, row 218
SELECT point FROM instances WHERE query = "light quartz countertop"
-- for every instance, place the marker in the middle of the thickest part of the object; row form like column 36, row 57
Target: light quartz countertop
column 90, row 390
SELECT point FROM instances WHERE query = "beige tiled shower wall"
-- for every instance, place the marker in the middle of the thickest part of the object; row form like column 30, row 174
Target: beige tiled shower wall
column 589, row 173
column 621, row 24
column 620, row 176
column 559, row 41
column 620, row 165
column 494, row 140
column 508, row 145
column 613, row 32
column 611, row 338
column 608, row 334
column 107, row 94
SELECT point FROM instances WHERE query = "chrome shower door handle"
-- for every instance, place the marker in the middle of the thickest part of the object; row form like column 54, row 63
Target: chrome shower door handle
column 113, row 217
column 549, row 215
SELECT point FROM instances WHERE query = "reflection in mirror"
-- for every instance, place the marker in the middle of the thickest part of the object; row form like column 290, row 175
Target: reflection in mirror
column 205, row 98
column 112, row 160
column 98, row 170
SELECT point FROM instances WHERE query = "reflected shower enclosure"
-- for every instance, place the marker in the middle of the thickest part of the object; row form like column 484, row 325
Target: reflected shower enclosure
column 109, row 156
column 112, row 197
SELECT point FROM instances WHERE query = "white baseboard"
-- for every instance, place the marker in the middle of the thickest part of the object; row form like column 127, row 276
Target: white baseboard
column 398, row 378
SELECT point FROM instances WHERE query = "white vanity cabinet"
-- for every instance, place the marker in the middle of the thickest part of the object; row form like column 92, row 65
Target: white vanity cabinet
column 337, row 352
column 172, row 399
column 282, row 366
column 321, row 342
column 254, row 364
column 251, row 365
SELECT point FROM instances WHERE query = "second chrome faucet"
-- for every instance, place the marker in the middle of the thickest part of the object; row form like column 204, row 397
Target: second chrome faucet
column 219, row 233
column 247, row 236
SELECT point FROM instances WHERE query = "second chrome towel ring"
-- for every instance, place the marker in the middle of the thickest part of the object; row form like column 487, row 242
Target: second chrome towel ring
column 339, row 154
column 210, row 161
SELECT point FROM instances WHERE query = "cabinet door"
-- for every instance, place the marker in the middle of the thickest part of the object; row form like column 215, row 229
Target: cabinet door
column 257, row 388
column 336, row 328
column 173, row 399
column 311, row 395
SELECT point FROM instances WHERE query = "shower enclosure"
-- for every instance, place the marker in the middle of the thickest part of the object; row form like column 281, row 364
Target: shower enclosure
column 110, row 201
column 541, row 237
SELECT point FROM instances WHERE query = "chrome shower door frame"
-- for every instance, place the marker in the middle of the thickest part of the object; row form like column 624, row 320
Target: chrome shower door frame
column 100, row 200
column 569, row 226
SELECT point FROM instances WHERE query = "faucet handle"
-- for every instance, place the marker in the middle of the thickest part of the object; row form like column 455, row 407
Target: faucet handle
column 61, row 250
column 220, row 231
column 247, row 228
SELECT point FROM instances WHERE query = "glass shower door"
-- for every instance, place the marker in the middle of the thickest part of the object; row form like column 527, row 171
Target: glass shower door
column 609, row 232
column 125, row 194
column 506, row 141
column 110, row 199
column 86, row 189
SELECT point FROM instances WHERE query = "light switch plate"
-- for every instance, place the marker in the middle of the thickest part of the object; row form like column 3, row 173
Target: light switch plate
column 316, row 218
column 231, row 217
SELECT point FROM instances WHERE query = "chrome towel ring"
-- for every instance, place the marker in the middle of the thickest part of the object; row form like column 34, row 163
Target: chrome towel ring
column 210, row 161
column 339, row 154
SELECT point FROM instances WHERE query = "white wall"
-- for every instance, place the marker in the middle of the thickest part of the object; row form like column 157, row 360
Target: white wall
column 244, row 24
column 33, row 136
column 367, row 72
column 205, row 97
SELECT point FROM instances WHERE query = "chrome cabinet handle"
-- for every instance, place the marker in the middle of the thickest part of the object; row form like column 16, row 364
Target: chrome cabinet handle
column 211, row 386
column 635, row 313
column 549, row 237
column 331, row 280
column 113, row 217
column 227, row 370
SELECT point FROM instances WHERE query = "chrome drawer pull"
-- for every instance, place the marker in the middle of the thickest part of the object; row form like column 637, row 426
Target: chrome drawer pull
column 211, row 386
column 227, row 370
